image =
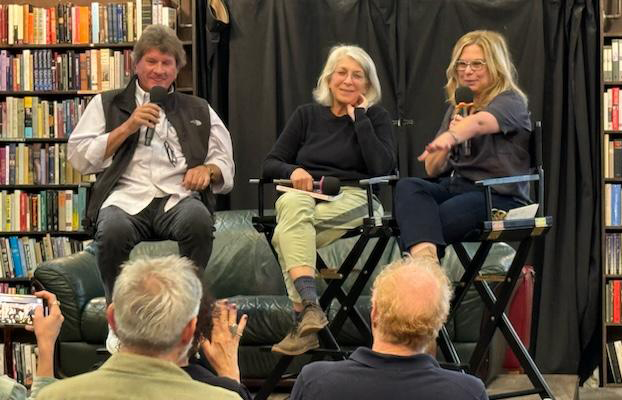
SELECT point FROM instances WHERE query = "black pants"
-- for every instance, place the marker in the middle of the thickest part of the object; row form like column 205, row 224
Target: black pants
column 442, row 213
column 189, row 223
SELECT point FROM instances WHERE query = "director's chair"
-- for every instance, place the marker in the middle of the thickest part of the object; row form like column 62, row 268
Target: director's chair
column 522, row 231
column 378, row 227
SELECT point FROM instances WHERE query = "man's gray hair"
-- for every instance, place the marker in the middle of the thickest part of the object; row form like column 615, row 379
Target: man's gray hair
column 322, row 93
column 154, row 299
column 162, row 38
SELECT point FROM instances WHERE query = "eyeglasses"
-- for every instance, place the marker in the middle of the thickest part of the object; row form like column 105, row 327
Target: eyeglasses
column 355, row 76
column 170, row 153
column 475, row 65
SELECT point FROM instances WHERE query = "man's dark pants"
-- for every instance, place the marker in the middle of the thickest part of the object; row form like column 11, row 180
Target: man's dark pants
column 189, row 223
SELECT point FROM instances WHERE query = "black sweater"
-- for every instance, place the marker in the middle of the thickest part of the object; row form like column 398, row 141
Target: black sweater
column 326, row 145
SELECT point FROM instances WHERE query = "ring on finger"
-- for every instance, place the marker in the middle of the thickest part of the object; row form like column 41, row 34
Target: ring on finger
column 233, row 328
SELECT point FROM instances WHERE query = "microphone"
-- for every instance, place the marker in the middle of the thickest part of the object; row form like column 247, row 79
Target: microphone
column 464, row 101
column 327, row 185
column 158, row 95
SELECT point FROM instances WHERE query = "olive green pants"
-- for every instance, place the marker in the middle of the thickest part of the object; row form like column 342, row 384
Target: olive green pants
column 305, row 224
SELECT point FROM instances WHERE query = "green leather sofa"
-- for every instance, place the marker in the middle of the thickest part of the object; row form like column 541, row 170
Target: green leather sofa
column 242, row 267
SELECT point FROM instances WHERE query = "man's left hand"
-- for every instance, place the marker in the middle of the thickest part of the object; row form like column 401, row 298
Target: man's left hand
column 197, row 178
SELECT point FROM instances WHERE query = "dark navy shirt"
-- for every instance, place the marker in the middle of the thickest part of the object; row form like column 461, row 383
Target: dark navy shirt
column 370, row 375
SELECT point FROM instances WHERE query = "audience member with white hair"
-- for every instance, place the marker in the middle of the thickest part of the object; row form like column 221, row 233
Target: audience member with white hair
column 154, row 310
column 410, row 303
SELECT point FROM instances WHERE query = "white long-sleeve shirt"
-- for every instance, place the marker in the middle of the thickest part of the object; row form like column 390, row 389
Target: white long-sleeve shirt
column 150, row 174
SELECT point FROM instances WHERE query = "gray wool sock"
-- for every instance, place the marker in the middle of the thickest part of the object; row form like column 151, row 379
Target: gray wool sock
column 306, row 287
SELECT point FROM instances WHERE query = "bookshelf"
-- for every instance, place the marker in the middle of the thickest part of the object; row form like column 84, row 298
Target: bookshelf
column 611, row 185
column 18, row 355
column 58, row 55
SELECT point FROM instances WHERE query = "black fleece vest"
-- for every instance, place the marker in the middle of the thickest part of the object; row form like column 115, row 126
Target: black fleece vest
column 190, row 117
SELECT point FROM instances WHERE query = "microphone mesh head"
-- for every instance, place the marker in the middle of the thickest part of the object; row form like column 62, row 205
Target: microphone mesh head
column 464, row 95
column 158, row 95
column 330, row 185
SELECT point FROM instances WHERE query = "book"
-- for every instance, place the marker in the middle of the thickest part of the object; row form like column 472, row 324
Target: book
column 616, row 301
column 617, row 344
column 11, row 266
column 47, row 247
column 6, row 266
column 615, row 204
column 94, row 22
column 607, row 65
column 22, row 258
column 15, row 255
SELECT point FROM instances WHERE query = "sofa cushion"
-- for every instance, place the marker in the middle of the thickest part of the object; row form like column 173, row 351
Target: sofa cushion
column 94, row 326
column 269, row 318
column 76, row 282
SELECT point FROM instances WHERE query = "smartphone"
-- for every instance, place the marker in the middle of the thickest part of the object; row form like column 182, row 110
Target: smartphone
column 18, row 309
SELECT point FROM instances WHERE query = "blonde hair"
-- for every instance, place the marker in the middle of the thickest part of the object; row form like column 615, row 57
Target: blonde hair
column 322, row 93
column 411, row 299
column 502, row 72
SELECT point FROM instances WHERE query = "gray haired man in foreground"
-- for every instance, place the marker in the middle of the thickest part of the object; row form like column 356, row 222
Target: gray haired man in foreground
column 154, row 313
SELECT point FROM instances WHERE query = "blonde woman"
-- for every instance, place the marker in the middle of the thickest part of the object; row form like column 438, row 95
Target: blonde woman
column 493, row 141
column 344, row 134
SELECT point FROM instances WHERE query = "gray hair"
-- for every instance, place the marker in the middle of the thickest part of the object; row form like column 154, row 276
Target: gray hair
column 322, row 93
column 162, row 38
column 154, row 299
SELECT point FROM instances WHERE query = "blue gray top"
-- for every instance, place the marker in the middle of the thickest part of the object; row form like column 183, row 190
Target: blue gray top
column 501, row 154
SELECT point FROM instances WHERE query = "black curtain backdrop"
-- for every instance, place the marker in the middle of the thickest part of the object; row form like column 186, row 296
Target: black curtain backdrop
column 569, row 313
column 275, row 50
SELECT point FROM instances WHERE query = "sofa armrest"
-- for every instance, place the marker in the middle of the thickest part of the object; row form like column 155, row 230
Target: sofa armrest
column 75, row 281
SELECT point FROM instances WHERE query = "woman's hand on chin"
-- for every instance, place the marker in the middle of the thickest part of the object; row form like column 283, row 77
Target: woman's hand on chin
column 361, row 102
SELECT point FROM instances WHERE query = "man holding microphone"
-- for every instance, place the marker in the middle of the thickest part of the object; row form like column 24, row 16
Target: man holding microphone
column 158, row 165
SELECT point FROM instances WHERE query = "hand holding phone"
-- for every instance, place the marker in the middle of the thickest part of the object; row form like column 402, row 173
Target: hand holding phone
column 47, row 321
column 18, row 309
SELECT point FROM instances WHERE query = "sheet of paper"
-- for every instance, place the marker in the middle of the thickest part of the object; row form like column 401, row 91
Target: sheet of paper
column 524, row 212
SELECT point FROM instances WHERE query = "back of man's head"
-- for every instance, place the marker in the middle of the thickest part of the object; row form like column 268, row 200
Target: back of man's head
column 411, row 302
column 154, row 299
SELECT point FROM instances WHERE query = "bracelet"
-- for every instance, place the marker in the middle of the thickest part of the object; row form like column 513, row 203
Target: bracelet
column 453, row 135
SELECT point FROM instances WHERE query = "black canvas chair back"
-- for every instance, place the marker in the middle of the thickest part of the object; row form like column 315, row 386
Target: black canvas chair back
column 522, row 231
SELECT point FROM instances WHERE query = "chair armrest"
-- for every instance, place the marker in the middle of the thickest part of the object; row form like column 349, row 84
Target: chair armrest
column 369, row 183
column 75, row 281
column 260, row 182
column 488, row 183
column 508, row 179
column 386, row 179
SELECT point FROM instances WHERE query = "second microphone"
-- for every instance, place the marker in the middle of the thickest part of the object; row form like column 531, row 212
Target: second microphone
column 327, row 185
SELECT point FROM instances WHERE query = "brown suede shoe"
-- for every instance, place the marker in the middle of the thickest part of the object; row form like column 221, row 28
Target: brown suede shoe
column 295, row 344
column 312, row 319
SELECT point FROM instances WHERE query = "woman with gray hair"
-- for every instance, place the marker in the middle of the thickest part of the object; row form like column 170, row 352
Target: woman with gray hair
column 343, row 135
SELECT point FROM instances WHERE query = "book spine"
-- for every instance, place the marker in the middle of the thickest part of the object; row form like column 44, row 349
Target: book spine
column 17, row 262
column 616, row 302
column 615, row 204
